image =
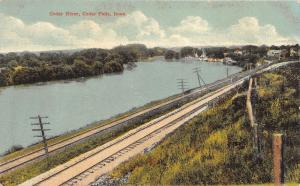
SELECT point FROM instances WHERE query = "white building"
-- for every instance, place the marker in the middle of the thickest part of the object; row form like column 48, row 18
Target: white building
column 238, row 52
column 274, row 53
column 2, row 69
column 229, row 61
column 293, row 52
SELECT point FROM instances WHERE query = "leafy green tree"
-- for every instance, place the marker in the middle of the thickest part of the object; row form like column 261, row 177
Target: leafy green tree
column 170, row 54
column 187, row 51
column 12, row 64
column 113, row 66
column 98, row 68
column 25, row 75
column 177, row 55
column 81, row 69
column 3, row 80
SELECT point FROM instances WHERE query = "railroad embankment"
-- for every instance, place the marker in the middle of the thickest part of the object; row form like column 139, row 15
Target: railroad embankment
column 217, row 147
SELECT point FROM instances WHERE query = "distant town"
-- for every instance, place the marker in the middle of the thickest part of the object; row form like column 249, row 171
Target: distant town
column 236, row 55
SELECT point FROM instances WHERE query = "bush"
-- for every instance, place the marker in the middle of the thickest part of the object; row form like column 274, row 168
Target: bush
column 14, row 149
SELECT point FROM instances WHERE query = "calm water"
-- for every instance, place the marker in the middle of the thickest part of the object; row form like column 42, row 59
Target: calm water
column 75, row 104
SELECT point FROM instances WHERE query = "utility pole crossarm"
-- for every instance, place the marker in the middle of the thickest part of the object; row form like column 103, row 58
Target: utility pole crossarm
column 42, row 130
column 38, row 136
column 182, row 84
column 39, row 123
column 43, row 117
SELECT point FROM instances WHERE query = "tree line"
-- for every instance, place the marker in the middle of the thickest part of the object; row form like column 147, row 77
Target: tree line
column 251, row 54
column 29, row 67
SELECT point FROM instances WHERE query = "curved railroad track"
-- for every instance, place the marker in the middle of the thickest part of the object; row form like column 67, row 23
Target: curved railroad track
column 85, row 168
column 37, row 154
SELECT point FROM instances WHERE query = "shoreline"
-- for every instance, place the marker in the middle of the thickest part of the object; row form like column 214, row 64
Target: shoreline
column 78, row 79
column 92, row 123
column 90, row 126
column 85, row 78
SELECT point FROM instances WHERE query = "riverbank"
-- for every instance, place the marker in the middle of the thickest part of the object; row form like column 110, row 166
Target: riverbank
column 72, row 105
column 18, row 176
column 77, row 132
column 28, row 68
column 30, row 171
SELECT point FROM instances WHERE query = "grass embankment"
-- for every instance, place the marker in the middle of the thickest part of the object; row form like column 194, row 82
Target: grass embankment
column 28, row 171
column 80, row 131
column 277, row 110
column 22, row 174
column 216, row 147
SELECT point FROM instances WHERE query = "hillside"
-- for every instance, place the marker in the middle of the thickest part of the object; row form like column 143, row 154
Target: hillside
column 217, row 147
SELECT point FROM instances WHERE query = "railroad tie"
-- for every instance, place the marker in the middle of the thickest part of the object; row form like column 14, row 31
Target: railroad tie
column 99, row 166
column 68, row 183
column 72, row 182
column 90, row 171
column 85, row 174
column 145, row 139
column 115, row 156
column 80, row 177
column 121, row 152
column 106, row 161
column 95, row 168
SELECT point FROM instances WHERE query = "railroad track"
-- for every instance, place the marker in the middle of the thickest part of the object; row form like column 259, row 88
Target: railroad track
column 29, row 157
column 85, row 168
column 79, row 177
column 39, row 153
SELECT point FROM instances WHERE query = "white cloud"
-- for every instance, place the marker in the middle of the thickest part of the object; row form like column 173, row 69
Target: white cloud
column 137, row 26
column 248, row 30
column 44, row 32
column 90, row 34
column 15, row 35
column 191, row 25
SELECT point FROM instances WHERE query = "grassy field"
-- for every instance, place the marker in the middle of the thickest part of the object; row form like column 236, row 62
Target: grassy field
column 216, row 147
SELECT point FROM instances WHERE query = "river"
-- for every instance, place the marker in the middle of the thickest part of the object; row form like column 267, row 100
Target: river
column 74, row 104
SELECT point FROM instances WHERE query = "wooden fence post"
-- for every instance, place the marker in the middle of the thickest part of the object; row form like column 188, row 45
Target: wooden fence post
column 278, row 159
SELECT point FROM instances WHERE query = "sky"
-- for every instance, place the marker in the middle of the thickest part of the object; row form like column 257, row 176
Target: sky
column 29, row 25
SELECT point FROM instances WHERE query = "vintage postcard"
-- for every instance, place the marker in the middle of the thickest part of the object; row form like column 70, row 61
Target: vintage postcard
column 149, row 92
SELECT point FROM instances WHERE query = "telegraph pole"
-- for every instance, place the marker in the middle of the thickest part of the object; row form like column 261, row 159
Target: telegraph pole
column 248, row 66
column 197, row 70
column 182, row 84
column 227, row 70
column 41, row 129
